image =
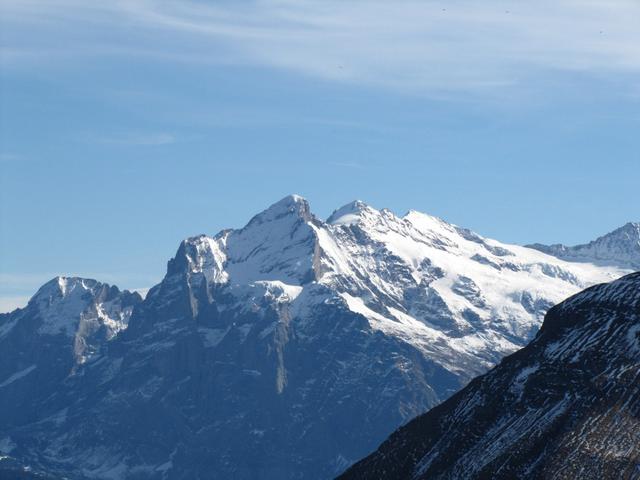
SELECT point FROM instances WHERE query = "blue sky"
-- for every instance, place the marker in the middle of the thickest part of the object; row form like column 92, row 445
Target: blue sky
column 128, row 126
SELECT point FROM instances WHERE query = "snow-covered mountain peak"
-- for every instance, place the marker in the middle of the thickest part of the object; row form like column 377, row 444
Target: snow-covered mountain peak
column 416, row 216
column 627, row 237
column 620, row 247
column 418, row 268
column 351, row 213
column 60, row 286
column 277, row 244
column 437, row 228
column 201, row 254
column 76, row 314
column 71, row 290
column 293, row 206
column 409, row 268
column 69, row 304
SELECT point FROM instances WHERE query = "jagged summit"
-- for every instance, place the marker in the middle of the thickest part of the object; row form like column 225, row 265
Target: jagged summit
column 61, row 286
column 349, row 213
column 620, row 247
column 67, row 304
column 291, row 205
column 277, row 244
column 80, row 313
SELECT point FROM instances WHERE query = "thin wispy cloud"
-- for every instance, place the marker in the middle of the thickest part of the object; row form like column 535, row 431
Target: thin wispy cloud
column 9, row 157
column 417, row 47
column 19, row 284
column 134, row 139
column 355, row 165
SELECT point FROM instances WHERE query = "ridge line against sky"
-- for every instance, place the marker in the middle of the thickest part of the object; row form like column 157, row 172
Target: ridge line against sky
column 137, row 282
column 126, row 126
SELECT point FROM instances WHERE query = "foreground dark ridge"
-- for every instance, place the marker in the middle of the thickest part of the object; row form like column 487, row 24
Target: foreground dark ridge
column 566, row 406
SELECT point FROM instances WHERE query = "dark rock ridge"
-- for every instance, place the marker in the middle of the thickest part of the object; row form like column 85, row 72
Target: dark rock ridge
column 566, row 406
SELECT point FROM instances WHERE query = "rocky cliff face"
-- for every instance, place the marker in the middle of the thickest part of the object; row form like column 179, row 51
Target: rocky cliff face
column 286, row 349
column 566, row 406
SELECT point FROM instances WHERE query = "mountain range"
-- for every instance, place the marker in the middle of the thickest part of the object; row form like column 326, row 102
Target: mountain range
column 620, row 247
column 566, row 406
column 286, row 349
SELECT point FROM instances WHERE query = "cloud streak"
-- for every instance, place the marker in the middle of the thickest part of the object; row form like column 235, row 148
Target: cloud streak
column 429, row 47
column 136, row 139
column 9, row 157
column 354, row 165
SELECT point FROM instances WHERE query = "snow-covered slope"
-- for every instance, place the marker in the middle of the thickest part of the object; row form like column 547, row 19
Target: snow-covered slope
column 564, row 407
column 291, row 347
column 620, row 247
column 435, row 278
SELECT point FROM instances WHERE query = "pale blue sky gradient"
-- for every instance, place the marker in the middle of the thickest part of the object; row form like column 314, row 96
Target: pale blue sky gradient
column 125, row 128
